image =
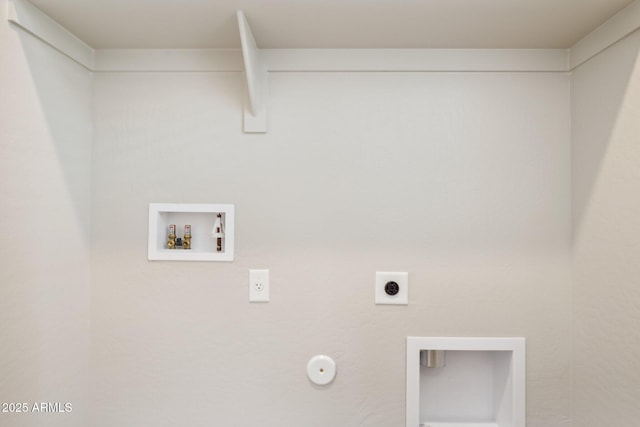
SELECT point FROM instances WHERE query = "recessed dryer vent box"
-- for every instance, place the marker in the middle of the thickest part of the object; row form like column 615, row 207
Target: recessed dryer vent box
column 465, row 382
column 202, row 219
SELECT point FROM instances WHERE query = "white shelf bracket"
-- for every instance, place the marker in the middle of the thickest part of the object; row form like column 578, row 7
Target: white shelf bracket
column 255, row 104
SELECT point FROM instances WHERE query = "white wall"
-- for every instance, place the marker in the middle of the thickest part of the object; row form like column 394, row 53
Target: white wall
column 606, row 208
column 462, row 179
column 45, row 141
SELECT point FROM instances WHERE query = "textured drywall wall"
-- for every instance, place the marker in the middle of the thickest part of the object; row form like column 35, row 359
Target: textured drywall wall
column 606, row 208
column 461, row 179
column 45, row 142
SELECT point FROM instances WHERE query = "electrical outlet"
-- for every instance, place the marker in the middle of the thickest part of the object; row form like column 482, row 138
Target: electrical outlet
column 259, row 285
column 392, row 288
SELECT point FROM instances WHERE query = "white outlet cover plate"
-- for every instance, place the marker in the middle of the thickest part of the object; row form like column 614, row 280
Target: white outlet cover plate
column 401, row 278
column 259, row 285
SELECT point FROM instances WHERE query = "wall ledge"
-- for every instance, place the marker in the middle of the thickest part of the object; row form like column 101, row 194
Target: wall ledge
column 29, row 18
column 35, row 22
column 338, row 60
column 610, row 32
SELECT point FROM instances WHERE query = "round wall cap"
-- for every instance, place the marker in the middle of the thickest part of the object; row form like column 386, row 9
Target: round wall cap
column 321, row 369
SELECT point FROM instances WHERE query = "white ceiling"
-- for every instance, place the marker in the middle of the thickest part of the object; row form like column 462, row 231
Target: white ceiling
column 332, row 23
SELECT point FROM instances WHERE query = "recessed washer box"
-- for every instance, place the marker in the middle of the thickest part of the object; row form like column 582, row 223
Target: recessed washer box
column 482, row 382
column 201, row 218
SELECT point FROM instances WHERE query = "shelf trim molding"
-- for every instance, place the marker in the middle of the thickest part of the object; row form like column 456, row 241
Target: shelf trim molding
column 334, row 60
column 258, row 63
column 168, row 60
column 416, row 60
column 606, row 35
column 29, row 18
